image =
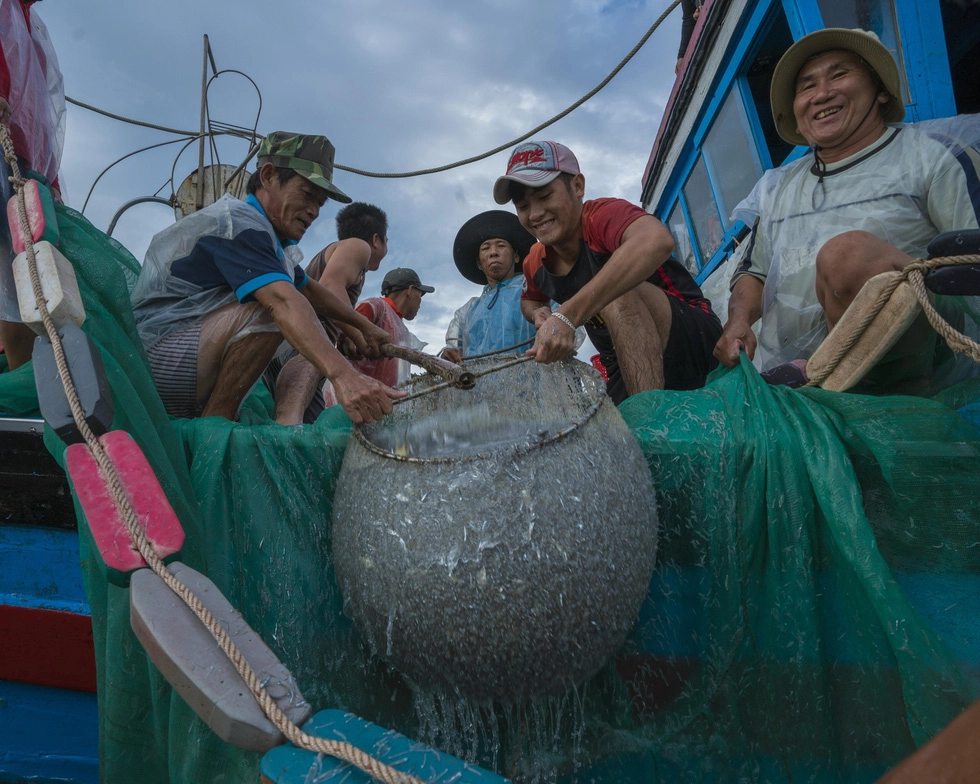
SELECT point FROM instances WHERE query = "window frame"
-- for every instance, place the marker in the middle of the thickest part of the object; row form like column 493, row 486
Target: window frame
column 923, row 47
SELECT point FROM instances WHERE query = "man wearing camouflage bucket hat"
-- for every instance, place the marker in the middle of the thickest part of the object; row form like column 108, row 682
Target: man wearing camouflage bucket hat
column 222, row 288
column 869, row 199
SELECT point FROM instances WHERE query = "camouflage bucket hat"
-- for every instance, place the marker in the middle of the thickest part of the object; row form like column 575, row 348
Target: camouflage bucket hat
column 311, row 156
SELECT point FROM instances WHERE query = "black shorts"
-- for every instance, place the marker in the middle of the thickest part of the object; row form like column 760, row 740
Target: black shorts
column 687, row 356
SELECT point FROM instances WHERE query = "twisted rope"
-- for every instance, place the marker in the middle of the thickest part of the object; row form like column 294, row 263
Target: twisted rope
column 338, row 749
column 494, row 353
column 448, row 166
column 913, row 274
column 476, row 374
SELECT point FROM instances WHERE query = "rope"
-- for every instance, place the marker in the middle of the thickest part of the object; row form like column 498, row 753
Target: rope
column 916, row 278
column 457, row 164
column 524, row 448
column 914, row 275
column 499, row 350
column 338, row 749
column 119, row 117
column 529, row 134
column 476, row 374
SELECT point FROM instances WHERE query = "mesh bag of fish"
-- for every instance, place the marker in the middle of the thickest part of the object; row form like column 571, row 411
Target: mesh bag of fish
column 497, row 543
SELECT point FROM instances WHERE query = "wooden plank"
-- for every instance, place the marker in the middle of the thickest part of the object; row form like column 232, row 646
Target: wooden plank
column 291, row 765
column 47, row 648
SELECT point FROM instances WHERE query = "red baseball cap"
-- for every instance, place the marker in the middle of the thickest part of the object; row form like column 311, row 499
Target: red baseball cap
column 535, row 164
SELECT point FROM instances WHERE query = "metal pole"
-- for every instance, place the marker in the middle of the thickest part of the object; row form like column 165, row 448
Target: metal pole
column 199, row 201
column 133, row 203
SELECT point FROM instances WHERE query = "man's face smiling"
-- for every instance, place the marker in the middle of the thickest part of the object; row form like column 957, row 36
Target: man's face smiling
column 553, row 213
column 834, row 93
column 292, row 207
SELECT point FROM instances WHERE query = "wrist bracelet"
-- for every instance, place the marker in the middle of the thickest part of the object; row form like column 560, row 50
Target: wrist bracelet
column 564, row 318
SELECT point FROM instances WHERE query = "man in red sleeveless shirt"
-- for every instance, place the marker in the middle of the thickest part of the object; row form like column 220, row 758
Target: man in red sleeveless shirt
column 609, row 265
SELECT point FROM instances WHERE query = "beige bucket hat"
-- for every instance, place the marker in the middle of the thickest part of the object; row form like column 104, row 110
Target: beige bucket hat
column 863, row 43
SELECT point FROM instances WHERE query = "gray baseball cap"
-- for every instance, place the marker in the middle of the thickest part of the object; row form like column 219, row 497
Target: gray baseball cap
column 401, row 278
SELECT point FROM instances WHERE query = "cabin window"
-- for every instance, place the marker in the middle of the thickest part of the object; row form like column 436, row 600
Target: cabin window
column 683, row 249
column 875, row 15
column 961, row 27
column 758, row 76
column 708, row 228
column 730, row 150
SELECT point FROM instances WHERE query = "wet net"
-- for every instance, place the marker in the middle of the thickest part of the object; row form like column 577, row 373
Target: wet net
column 811, row 617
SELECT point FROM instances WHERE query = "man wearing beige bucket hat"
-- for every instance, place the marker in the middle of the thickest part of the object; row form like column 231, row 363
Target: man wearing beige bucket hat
column 868, row 199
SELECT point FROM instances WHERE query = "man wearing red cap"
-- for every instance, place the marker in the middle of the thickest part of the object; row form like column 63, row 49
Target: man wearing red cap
column 609, row 265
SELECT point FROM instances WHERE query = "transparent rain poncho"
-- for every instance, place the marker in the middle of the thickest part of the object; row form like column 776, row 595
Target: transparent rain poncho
column 37, row 113
column 163, row 302
column 912, row 188
column 491, row 321
column 394, row 325
column 37, row 92
column 388, row 370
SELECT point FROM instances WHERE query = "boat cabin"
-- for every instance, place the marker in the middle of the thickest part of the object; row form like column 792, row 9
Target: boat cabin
column 717, row 135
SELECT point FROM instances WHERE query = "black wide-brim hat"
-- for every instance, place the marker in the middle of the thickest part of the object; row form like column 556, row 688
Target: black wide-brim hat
column 493, row 224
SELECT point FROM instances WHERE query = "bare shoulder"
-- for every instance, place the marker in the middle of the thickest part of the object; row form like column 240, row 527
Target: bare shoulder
column 345, row 261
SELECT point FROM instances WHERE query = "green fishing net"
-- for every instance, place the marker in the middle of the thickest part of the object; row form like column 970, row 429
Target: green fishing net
column 812, row 616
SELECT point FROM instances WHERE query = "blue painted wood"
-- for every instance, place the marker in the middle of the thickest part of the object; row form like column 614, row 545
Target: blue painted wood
column 742, row 49
column 725, row 250
column 742, row 45
column 926, row 60
column 40, row 569
column 48, row 735
column 752, row 122
column 290, row 765
column 803, row 17
column 692, row 237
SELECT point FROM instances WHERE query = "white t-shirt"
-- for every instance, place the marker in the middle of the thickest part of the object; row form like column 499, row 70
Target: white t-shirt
column 912, row 184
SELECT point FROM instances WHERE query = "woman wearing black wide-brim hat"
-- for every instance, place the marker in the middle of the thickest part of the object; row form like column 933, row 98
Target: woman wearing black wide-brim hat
column 488, row 250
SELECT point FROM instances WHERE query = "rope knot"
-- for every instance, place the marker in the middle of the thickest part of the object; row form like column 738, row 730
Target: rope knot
column 919, row 266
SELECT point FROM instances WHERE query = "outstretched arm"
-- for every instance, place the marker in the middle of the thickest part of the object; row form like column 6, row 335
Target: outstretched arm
column 368, row 337
column 645, row 245
column 348, row 261
column 364, row 399
column 744, row 309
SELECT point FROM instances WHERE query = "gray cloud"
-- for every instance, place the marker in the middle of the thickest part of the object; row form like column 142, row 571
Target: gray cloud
column 396, row 86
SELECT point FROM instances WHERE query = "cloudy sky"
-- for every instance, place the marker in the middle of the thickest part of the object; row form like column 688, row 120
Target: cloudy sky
column 397, row 86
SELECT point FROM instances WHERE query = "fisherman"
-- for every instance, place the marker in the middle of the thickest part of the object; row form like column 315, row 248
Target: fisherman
column 221, row 288
column 868, row 200
column 488, row 250
column 609, row 264
column 362, row 244
column 32, row 105
column 400, row 300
